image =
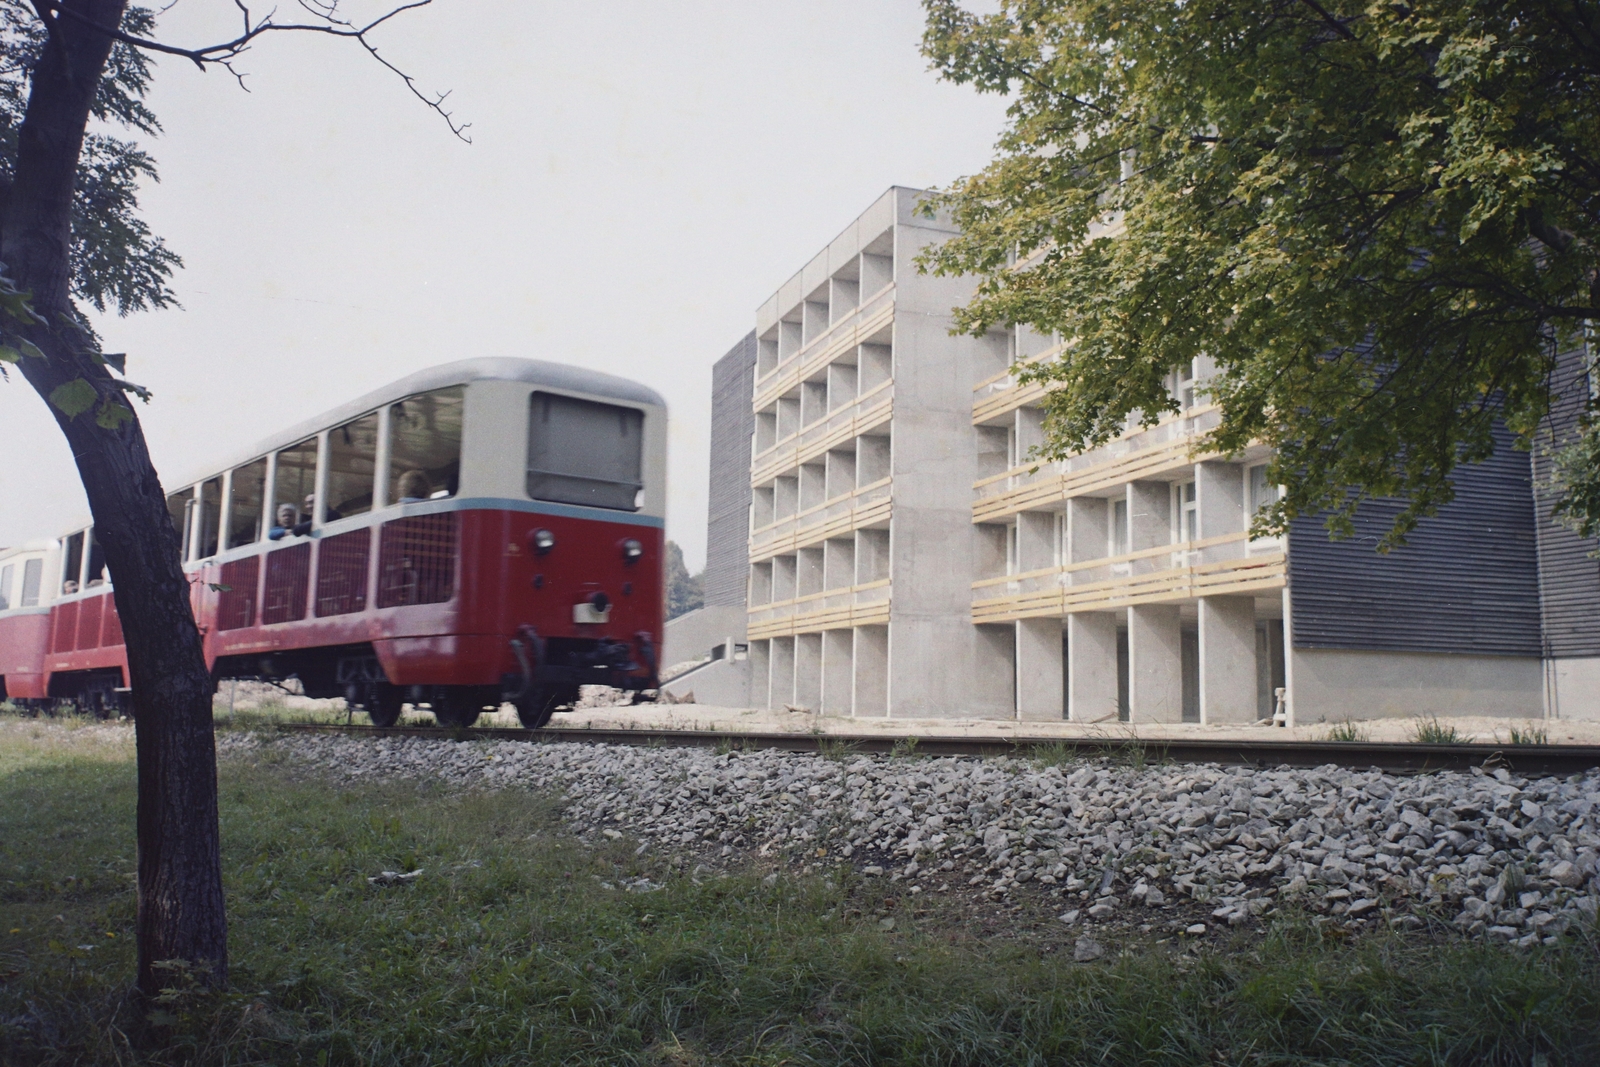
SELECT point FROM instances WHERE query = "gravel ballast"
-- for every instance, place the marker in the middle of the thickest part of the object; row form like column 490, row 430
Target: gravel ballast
column 1505, row 857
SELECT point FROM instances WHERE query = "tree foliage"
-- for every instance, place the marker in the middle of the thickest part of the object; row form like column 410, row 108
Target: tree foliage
column 684, row 590
column 1379, row 222
column 117, row 262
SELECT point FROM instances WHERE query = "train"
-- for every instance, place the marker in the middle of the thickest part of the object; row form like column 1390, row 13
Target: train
column 484, row 532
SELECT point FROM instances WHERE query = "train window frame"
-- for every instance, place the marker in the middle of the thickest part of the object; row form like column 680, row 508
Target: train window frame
column 404, row 463
column 235, row 520
column 184, row 531
column 340, row 447
column 311, row 445
column 32, row 582
column 577, row 483
column 95, row 573
column 208, row 539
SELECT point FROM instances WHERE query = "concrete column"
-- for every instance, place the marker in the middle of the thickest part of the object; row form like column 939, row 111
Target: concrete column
column 1219, row 492
column 1086, row 528
column 871, row 671
column 1039, row 670
column 1036, row 540
column 1155, row 664
column 837, row 676
column 1227, row 659
column 760, row 655
column 780, row 672
column 808, row 671
column 1092, row 666
column 1030, row 431
column 1149, row 522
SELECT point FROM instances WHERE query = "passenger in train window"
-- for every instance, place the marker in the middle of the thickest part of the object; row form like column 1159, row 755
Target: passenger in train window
column 413, row 486
column 288, row 524
column 69, row 587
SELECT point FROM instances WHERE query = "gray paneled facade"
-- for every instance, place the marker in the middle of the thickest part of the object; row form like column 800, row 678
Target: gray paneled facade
column 728, row 506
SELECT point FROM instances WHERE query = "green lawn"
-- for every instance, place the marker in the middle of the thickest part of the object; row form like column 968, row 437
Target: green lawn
column 509, row 949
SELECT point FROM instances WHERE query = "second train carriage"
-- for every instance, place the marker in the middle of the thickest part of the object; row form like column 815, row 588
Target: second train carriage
column 482, row 531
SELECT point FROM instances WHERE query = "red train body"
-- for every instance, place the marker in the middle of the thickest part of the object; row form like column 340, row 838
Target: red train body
column 457, row 597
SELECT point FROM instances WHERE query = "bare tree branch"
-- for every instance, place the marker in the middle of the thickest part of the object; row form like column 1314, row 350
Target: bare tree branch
column 333, row 24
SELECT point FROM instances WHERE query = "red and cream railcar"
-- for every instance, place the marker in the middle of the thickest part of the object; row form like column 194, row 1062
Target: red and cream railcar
column 485, row 531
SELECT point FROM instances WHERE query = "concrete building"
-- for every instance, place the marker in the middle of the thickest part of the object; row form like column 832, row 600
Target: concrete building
column 907, row 558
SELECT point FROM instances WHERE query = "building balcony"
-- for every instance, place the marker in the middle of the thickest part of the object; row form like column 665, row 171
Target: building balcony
column 864, row 508
column 1143, row 454
column 1228, row 565
column 836, row 609
column 869, row 411
column 852, row 329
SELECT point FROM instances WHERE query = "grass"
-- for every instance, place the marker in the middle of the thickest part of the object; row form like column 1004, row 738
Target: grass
column 508, row 949
column 1532, row 735
column 1346, row 731
column 1433, row 732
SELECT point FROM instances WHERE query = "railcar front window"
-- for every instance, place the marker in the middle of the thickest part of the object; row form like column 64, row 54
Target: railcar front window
column 352, row 467
column 5, row 586
column 71, row 563
column 246, row 500
column 425, row 446
column 32, row 579
column 581, row 452
column 296, row 485
column 210, row 517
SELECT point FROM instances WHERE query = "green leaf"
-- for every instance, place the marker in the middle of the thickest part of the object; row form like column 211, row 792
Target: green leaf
column 31, row 349
column 112, row 414
column 9, row 354
column 74, row 398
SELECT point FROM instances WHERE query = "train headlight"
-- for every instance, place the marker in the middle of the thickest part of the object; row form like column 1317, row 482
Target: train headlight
column 631, row 551
column 542, row 541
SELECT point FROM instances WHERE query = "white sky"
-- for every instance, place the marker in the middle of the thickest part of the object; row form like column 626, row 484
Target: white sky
column 642, row 176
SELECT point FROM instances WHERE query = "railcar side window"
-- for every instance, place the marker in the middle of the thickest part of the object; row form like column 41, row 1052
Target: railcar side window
column 96, row 574
column 180, row 507
column 425, row 446
column 246, row 499
column 581, row 452
column 352, row 467
column 296, row 485
column 71, row 562
column 210, row 517
column 5, row 586
column 32, row 579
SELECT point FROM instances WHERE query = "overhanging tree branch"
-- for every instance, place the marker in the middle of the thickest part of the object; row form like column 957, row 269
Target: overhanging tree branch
column 223, row 53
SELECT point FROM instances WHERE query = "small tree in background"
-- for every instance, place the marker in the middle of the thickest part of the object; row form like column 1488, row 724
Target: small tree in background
column 684, row 590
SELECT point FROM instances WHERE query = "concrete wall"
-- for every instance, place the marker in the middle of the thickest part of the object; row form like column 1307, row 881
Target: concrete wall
column 1574, row 688
column 721, row 684
column 694, row 635
column 1334, row 685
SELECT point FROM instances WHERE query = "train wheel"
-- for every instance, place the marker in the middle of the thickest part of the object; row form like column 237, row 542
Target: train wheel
column 384, row 704
column 457, row 706
column 534, row 710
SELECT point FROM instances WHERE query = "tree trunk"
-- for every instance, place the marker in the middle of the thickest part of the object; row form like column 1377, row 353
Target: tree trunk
column 181, row 914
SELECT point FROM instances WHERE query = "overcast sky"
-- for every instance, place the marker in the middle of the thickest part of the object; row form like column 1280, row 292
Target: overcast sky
column 642, row 176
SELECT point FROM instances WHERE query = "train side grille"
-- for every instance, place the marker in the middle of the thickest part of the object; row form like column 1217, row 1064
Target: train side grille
column 342, row 572
column 236, row 605
column 89, row 622
column 288, row 575
column 417, row 560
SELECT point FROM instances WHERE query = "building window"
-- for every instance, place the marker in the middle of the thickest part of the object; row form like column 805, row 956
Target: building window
column 1183, row 386
column 1119, row 528
column 1186, row 509
column 1262, row 491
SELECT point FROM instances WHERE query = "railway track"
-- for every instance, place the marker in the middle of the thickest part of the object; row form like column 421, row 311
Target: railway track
column 1404, row 757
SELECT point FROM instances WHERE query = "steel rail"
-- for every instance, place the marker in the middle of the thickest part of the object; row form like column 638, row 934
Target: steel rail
column 1411, row 757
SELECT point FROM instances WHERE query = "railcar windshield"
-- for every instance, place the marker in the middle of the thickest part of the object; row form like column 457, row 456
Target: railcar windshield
column 210, row 517
column 352, row 467
column 581, row 452
column 32, row 579
column 247, row 495
column 71, row 563
column 425, row 446
column 96, row 573
column 179, row 508
column 5, row 585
